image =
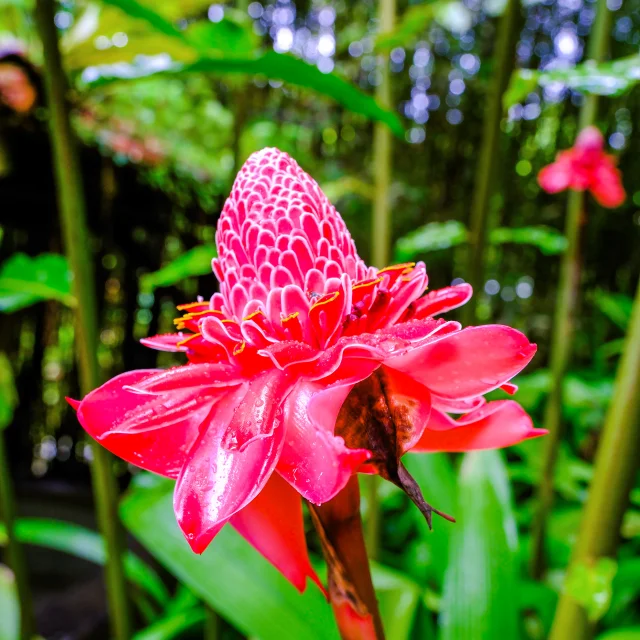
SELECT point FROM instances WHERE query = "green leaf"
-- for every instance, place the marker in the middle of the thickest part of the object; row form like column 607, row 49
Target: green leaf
column 548, row 240
column 436, row 477
column 616, row 306
column 25, row 280
column 612, row 78
column 538, row 597
column 632, row 633
column 480, row 599
column 195, row 262
column 86, row 544
column 9, row 606
column 141, row 11
column 230, row 576
column 625, row 589
column 8, row 393
column 173, row 625
column 413, row 23
column 431, row 237
column 398, row 598
column 591, row 585
column 272, row 65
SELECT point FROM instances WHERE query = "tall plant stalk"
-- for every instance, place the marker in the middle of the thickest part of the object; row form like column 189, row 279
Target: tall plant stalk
column 380, row 231
column 15, row 552
column 489, row 157
column 564, row 321
column 73, row 222
column 614, row 474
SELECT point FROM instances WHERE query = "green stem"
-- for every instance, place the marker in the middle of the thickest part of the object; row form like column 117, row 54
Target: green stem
column 76, row 241
column 211, row 624
column 380, row 232
column 382, row 153
column 564, row 320
column 15, row 552
column 489, row 158
column 615, row 470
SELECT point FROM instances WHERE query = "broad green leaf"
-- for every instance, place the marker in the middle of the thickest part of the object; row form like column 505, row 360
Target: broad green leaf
column 548, row 240
column 413, row 23
column 431, row 237
column 9, row 606
column 632, row 633
column 481, row 598
column 143, row 12
column 398, row 598
column 86, row 544
column 591, row 585
column 276, row 66
column 230, row 576
column 612, row 78
column 172, row 626
column 25, row 280
column 8, row 393
column 435, row 475
column 616, row 306
column 195, row 262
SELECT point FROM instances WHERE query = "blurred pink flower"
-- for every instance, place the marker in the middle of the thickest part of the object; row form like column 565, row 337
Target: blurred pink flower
column 586, row 167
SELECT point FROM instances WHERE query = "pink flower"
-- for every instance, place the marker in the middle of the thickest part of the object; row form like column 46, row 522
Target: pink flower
column 586, row 166
column 307, row 367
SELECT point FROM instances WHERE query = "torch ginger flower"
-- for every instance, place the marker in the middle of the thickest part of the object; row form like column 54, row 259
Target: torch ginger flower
column 307, row 367
column 586, row 167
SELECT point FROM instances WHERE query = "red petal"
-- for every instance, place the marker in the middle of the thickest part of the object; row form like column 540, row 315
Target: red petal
column 352, row 625
column 495, row 425
column 138, row 427
column 232, row 459
column 558, row 175
column 272, row 523
column 467, row 363
column 166, row 342
column 442, row 300
column 313, row 460
column 606, row 184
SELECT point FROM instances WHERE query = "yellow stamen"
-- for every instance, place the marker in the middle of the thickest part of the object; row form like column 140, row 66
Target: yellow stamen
column 395, row 267
column 189, row 305
column 251, row 316
column 326, row 299
column 239, row 349
column 183, row 342
column 370, row 283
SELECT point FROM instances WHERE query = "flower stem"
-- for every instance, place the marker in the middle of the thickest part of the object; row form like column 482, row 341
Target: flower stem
column 211, row 624
column 564, row 321
column 351, row 591
column 75, row 236
column 489, row 158
column 614, row 475
column 15, row 552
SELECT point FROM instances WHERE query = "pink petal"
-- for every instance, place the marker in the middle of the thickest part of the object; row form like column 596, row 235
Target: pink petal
column 495, row 425
column 119, row 419
column 272, row 523
column 467, row 363
column 606, row 184
column 314, row 461
column 442, row 300
column 165, row 342
column 557, row 176
column 231, row 461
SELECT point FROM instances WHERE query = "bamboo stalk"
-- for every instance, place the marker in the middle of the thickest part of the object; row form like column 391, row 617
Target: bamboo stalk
column 382, row 152
column 380, row 234
column 75, row 236
column 15, row 551
column 564, row 321
column 489, row 157
column 614, row 475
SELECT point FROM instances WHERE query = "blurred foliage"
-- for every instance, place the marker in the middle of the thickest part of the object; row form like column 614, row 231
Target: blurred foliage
column 25, row 280
column 9, row 607
column 196, row 262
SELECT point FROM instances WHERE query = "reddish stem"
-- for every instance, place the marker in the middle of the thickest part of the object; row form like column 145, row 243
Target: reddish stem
column 351, row 591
